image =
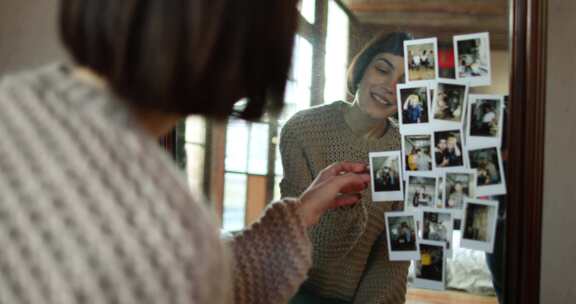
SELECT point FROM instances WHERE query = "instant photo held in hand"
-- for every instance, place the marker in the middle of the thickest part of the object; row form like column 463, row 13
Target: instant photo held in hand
column 402, row 236
column 479, row 225
column 420, row 190
column 430, row 270
column 414, row 106
column 417, row 152
column 472, row 54
column 386, row 176
column 485, row 120
column 421, row 59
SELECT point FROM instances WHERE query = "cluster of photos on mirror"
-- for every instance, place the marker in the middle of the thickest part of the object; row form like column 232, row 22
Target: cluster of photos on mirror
column 450, row 163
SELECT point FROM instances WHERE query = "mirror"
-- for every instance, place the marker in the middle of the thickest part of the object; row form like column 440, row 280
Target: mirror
column 243, row 167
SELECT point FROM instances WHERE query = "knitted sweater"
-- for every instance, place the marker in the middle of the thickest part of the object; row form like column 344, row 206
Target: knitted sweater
column 93, row 211
column 350, row 257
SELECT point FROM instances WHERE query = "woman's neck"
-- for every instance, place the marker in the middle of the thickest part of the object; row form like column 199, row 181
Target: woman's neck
column 153, row 122
column 363, row 124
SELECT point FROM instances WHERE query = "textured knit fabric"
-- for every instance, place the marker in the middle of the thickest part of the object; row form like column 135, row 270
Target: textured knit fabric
column 93, row 211
column 350, row 257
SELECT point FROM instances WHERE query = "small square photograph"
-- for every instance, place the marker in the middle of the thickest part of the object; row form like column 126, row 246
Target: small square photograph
column 417, row 152
column 449, row 103
column 437, row 226
column 459, row 185
column 402, row 237
column 485, row 119
column 490, row 173
column 479, row 224
column 430, row 270
column 420, row 190
column 448, row 150
column 440, row 192
column 421, row 59
column 386, row 176
column 472, row 53
column 414, row 104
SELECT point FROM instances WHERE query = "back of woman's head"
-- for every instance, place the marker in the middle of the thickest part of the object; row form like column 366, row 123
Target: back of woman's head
column 186, row 56
column 392, row 43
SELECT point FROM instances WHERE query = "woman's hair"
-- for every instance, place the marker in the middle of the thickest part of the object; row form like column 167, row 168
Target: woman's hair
column 186, row 57
column 392, row 43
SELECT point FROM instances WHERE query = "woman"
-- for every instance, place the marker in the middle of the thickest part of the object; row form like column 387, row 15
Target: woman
column 350, row 259
column 93, row 211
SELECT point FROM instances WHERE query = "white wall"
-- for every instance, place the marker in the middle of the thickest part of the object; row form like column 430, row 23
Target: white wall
column 28, row 34
column 558, row 283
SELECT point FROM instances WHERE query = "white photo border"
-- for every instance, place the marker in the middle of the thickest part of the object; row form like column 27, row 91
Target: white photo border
column 432, row 284
column 498, row 189
column 385, row 196
column 407, row 205
column 465, row 165
column 487, row 246
column 408, row 43
column 402, row 255
column 474, row 81
column 457, row 213
column 402, row 140
column 420, row 127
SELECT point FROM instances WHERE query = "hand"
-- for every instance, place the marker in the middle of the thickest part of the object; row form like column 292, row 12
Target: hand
column 337, row 185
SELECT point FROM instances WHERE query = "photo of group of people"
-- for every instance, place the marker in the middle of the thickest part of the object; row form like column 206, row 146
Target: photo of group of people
column 487, row 161
column 449, row 105
column 460, row 184
column 417, row 154
column 485, row 119
column 420, row 190
column 421, row 59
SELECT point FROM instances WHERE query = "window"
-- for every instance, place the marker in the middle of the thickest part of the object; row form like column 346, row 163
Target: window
column 308, row 10
column 336, row 60
column 195, row 147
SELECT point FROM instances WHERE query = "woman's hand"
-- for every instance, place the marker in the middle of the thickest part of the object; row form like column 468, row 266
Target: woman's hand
column 337, row 185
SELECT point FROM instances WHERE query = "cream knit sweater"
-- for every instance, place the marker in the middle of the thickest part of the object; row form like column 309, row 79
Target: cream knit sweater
column 350, row 259
column 93, row 211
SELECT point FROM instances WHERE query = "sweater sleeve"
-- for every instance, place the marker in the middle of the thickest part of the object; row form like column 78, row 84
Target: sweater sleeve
column 272, row 257
column 297, row 173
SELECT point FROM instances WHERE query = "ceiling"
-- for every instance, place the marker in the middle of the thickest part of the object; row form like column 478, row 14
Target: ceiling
column 440, row 18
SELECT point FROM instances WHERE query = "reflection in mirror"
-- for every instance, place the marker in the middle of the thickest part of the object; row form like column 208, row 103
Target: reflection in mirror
column 449, row 131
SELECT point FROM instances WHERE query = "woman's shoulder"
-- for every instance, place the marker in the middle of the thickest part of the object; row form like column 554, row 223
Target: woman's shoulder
column 317, row 117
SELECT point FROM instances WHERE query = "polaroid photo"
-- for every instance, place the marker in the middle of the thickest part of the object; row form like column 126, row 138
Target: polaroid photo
column 485, row 120
column 440, row 191
column 472, row 54
column 430, row 270
column 449, row 150
column 414, row 106
column 402, row 236
column 459, row 184
column 417, row 152
column 421, row 59
column 386, row 176
column 487, row 161
column 449, row 103
column 420, row 190
column 479, row 224
column 437, row 225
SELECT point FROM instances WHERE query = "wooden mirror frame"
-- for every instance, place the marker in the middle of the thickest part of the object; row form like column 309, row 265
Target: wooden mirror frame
column 526, row 150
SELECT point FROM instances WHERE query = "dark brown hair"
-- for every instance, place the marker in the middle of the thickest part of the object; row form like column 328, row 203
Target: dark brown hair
column 186, row 56
column 392, row 43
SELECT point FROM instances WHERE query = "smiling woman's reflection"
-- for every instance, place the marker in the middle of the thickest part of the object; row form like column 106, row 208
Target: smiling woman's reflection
column 350, row 258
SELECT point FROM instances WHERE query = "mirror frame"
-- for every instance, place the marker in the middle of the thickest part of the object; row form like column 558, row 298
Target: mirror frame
column 528, row 26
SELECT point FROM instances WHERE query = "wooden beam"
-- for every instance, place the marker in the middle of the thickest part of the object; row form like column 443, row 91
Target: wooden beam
column 482, row 8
